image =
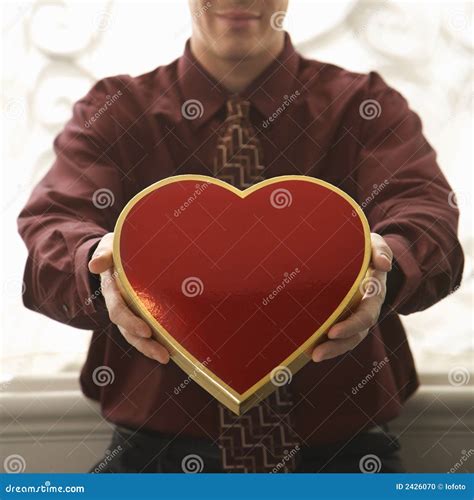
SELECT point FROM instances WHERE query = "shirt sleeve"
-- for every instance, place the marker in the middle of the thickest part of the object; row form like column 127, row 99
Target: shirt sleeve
column 68, row 212
column 407, row 200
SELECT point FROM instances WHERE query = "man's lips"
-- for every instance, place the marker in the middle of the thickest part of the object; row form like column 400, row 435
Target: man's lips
column 238, row 17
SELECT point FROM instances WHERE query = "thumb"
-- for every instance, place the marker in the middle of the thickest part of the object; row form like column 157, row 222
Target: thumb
column 102, row 258
column 382, row 255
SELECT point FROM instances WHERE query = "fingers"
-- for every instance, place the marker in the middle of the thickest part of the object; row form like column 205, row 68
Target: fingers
column 119, row 312
column 368, row 311
column 332, row 348
column 347, row 334
column 359, row 321
column 382, row 254
column 363, row 318
column 149, row 347
column 102, row 258
column 135, row 330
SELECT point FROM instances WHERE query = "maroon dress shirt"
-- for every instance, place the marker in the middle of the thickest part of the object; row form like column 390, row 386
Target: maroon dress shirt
column 312, row 118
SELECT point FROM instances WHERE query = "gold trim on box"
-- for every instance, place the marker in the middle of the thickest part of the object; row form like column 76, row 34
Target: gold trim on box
column 238, row 403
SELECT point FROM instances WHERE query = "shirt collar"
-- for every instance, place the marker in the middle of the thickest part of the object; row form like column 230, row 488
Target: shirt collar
column 266, row 92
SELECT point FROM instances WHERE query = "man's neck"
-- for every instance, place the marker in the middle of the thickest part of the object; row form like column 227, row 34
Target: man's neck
column 234, row 74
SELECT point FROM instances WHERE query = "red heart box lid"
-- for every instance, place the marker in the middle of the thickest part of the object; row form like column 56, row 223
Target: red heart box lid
column 240, row 285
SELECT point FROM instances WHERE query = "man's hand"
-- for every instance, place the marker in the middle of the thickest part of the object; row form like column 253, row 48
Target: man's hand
column 347, row 334
column 136, row 331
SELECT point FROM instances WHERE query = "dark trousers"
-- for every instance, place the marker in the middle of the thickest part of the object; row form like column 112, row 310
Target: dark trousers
column 140, row 451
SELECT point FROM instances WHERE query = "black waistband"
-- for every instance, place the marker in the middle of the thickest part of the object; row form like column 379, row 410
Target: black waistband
column 376, row 440
column 170, row 444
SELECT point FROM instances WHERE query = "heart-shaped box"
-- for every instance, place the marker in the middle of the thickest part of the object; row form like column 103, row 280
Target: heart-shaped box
column 241, row 285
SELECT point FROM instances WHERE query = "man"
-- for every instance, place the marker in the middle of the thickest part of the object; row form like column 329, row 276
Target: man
column 297, row 116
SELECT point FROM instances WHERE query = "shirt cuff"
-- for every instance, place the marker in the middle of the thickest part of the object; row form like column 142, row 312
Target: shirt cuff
column 88, row 284
column 407, row 266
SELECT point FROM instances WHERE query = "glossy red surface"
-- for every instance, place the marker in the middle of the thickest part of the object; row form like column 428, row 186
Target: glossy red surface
column 242, row 282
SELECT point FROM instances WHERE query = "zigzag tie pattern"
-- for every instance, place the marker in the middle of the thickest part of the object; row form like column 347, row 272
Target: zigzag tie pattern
column 263, row 439
column 239, row 153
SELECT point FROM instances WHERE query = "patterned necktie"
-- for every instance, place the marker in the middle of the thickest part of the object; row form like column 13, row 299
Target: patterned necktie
column 263, row 439
column 239, row 153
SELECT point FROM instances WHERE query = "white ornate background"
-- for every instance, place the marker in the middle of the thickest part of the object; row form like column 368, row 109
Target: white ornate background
column 54, row 51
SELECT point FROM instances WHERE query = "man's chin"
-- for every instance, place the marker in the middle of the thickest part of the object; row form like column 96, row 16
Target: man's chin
column 237, row 48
